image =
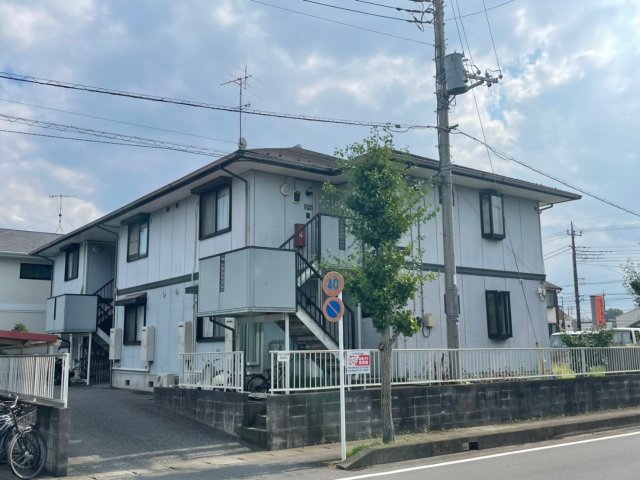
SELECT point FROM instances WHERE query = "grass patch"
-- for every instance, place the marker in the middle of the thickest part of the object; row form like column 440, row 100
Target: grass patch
column 562, row 370
column 358, row 448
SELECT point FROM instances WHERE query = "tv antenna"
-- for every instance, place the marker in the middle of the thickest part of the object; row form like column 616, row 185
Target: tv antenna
column 242, row 85
column 60, row 196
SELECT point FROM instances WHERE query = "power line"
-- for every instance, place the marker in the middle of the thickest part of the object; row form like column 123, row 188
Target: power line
column 107, row 142
column 506, row 156
column 343, row 23
column 479, row 11
column 399, row 9
column 196, row 104
column 114, row 136
column 415, row 20
column 491, row 34
column 117, row 121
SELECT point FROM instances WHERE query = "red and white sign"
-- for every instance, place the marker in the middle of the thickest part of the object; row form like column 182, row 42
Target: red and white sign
column 358, row 361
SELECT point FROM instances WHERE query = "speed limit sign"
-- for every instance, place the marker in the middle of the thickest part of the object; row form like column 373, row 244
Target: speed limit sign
column 332, row 284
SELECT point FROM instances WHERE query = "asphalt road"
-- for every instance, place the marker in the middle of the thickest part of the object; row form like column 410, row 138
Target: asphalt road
column 604, row 456
column 116, row 429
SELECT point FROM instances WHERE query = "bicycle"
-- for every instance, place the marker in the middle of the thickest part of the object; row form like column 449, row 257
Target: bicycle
column 261, row 383
column 25, row 448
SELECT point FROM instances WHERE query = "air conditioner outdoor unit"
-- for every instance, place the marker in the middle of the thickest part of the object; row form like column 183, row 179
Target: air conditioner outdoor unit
column 165, row 380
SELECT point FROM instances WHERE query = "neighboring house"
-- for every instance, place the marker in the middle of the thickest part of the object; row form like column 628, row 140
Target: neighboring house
column 555, row 320
column 25, row 280
column 227, row 256
column 629, row 319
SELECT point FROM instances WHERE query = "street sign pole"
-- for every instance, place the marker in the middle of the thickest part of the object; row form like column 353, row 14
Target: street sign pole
column 333, row 309
column 343, row 414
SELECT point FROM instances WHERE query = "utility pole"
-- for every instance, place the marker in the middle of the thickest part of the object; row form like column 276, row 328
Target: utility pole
column 576, row 290
column 451, row 304
column 451, row 66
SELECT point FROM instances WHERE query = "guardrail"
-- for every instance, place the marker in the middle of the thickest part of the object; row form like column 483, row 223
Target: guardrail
column 34, row 377
column 224, row 371
column 319, row 369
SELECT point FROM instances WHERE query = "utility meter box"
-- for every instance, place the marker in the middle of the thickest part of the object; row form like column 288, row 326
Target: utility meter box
column 429, row 320
column 115, row 344
column 185, row 337
column 147, row 343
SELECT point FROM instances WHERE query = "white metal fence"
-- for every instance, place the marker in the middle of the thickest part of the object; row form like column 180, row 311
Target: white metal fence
column 223, row 371
column 319, row 369
column 33, row 377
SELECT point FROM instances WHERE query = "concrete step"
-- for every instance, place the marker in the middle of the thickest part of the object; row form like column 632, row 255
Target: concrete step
column 257, row 436
column 260, row 421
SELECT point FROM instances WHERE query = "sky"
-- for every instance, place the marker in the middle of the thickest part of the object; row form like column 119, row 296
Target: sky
column 566, row 104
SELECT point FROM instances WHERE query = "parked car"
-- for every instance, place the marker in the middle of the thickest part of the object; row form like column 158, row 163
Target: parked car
column 622, row 337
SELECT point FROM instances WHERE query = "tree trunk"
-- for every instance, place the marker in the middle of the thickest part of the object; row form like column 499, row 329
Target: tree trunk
column 388, row 434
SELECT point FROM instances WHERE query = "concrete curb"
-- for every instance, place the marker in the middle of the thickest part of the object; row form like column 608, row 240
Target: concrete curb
column 481, row 438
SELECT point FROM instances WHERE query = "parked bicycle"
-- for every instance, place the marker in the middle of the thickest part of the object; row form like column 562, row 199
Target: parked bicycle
column 261, row 382
column 24, row 448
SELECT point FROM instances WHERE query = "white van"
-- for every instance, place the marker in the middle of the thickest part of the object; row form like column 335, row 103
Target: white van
column 622, row 337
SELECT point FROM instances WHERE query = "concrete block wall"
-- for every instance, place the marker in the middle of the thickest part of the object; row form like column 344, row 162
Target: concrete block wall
column 55, row 424
column 226, row 411
column 314, row 418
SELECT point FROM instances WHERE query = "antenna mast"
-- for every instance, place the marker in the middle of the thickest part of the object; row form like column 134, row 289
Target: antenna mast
column 242, row 85
column 60, row 196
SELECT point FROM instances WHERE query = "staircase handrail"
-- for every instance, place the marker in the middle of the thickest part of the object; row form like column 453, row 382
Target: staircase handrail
column 106, row 290
column 322, row 322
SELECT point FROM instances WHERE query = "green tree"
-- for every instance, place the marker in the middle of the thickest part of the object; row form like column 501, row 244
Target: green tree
column 20, row 327
column 631, row 279
column 380, row 204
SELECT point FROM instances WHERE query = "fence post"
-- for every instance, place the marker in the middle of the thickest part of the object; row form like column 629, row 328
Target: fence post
column 583, row 360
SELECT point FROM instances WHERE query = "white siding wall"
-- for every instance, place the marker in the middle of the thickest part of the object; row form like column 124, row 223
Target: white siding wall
column 60, row 286
column 22, row 301
column 521, row 252
column 276, row 214
column 174, row 251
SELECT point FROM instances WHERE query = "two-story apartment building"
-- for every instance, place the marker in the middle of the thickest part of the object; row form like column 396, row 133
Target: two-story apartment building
column 25, row 279
column 226, row 258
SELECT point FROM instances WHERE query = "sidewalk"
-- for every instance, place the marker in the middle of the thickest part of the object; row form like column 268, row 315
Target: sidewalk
column 406, row 447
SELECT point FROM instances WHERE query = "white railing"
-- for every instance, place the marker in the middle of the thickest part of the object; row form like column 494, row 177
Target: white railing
column 32, row 377
column 223, row 371
column 319, row 369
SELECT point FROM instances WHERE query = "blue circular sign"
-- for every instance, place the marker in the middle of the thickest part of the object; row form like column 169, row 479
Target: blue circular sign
column 333, row 309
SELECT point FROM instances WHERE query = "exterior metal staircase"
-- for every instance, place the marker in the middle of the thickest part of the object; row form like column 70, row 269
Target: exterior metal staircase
column 310, row 330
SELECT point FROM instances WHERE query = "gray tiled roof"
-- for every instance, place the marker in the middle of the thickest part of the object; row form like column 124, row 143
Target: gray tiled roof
column 22, row 241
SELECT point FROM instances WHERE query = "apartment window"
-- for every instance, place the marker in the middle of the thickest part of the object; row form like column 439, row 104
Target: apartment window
column 207, row 331
column 35, row 271
column 138, row 238
column 71, row 262
column 552, row 299
column 135, row 317
column 492, row 215
column 498, row 314
column 215, row 211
